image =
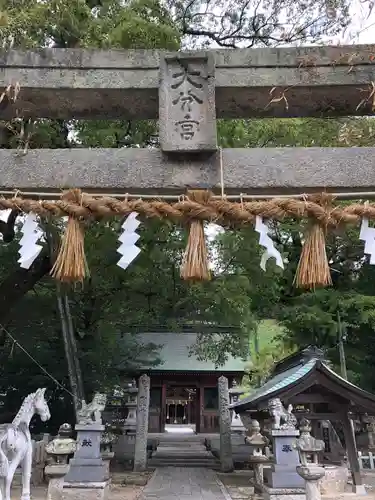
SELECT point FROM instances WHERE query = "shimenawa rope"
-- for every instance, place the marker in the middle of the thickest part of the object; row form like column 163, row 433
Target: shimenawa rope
column 220, row 210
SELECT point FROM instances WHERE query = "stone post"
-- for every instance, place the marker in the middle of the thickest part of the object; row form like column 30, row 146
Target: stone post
column 140, row 454
column 226, row 457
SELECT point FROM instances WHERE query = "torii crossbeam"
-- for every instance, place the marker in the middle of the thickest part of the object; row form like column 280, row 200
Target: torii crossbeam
column 187, row 91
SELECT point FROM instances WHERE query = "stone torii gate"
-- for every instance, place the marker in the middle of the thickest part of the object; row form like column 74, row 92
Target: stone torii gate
column 187, row 92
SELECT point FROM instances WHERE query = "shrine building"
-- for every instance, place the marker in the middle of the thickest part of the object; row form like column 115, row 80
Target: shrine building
column 306, row 381
column 184, row 389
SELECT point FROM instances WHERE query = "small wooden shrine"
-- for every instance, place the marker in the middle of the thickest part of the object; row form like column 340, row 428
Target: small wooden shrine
column 316, row 392
column 184, row 389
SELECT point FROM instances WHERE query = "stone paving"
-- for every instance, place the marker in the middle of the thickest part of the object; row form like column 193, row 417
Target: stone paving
column 179, row 483
column 116, row 493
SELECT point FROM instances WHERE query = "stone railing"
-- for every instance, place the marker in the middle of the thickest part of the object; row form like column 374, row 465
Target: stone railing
column 39, row 460
column 366, row 461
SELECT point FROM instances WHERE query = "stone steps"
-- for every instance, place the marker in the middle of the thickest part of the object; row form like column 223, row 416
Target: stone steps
column 215, row 465
column 183, row 453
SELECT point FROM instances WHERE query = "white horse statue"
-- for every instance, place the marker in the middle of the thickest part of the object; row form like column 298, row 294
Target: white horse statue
column 16, row 446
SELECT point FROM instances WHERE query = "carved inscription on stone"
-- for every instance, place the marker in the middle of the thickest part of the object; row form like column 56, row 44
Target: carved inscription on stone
column 187, row 103
column 286, row 448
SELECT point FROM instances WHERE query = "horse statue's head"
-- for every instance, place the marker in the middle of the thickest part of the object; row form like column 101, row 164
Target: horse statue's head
column 40, row 405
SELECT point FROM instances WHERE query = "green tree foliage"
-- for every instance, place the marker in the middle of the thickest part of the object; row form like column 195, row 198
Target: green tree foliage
column 138, row 23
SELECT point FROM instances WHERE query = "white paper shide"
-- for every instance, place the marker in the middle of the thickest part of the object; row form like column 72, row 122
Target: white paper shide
column 266, row 242
column 128, row 238
column 367, row 234
column 29, row 249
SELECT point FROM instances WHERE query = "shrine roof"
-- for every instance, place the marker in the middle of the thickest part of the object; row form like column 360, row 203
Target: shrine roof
column 174, row 353
column 299, row 372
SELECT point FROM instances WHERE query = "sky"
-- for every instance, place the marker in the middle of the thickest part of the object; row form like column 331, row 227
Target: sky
column 362, row 28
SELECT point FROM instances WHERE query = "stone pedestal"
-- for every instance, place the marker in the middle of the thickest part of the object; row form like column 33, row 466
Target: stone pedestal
column 87, row 465
column 124, row 448
column 359, row 489
column 86, row 491
column 55, row 475
column 107, row 457
column 283, row 472
column 312, row 474
column 283, row 493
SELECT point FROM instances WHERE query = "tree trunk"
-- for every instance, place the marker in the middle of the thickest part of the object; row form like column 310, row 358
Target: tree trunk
column 18, row 283
column 68, row 350
column 74, row 350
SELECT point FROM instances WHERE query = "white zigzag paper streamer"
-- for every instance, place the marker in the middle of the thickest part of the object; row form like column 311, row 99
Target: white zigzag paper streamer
column 4, row 215
column 266, row 242
column 128, row 249
column 29, row 249
column 367, row 234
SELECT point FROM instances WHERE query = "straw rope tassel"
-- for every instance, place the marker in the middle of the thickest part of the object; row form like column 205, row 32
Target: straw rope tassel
column 313, row 267
column 195, row 261
column 71, row 265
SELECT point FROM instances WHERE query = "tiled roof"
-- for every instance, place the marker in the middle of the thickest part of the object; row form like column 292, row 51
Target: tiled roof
column 280, row 381
column 174, row 353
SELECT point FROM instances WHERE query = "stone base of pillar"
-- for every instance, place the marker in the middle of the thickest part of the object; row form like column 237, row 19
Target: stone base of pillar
column 107, row 457
column 87, row 464
column 283, row 493
column 56, row 475
column 359, row 489
column 280, row 476
column 88, row 470
column 86, row 491
column 55, row 488
column 283, row 473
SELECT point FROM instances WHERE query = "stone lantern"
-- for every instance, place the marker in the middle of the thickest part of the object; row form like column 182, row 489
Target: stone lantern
column 308, row 448
column 236, row 425
column 59, row 450
column 258, row 445
column 130, row 423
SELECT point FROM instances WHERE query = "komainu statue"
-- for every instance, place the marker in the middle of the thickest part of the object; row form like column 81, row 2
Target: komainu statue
column 16, row 446
column 280, row 414
column 92, row 413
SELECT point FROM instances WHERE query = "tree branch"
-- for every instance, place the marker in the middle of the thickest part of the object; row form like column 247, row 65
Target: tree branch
column 17, row 284
column 7, row 228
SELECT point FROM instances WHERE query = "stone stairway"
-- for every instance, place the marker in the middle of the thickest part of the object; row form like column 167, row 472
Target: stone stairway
column 182, row 451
